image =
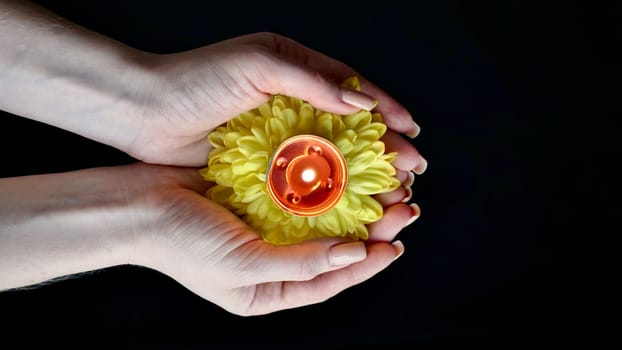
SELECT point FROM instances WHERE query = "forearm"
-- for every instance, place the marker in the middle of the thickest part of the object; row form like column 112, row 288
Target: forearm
column 60, row 224
column 58, row 73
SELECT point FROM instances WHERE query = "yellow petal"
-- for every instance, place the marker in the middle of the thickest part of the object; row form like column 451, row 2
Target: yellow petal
column 216, row 137
column 276, row 215
column 347, row 220
column 265, row 110
column 296, row 222
column 324, row 126
column 377, row 118
column 277, row 130
column 294, row 102
column 353, row 200
column 372, row 132
column 364, row 145
column 329, row 223
column 371, row 210
column 260, row 135
column 257, row 208
column 243, row 123
column 360, row 162
column 290, row 118
column 249, row 145
column 352, row 83
column 307, row 119
column 214, row 156
column 357, row 120
column 231, row 139
column 231, row 155
column 252, row 193
column 369, row 183
column 222, row 174
column 361, row 231
column 245, row 166
column 278, row 104
column 344, row 145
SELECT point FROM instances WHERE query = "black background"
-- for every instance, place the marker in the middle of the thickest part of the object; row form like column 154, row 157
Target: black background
column 520, row 203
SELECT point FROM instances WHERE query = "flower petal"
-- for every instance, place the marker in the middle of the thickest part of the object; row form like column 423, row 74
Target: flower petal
column 357, row 120
column 371, row 210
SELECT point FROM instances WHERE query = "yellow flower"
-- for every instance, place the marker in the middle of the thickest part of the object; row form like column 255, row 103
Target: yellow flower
column 243, row 148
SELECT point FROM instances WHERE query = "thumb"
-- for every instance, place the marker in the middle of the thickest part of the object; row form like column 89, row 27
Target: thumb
column 302, row 262
column 281, row 76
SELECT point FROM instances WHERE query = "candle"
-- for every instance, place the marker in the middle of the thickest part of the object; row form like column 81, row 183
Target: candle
column 307, row 175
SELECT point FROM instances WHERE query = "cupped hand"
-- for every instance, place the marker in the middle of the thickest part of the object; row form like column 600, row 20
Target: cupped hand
column 195, row 91
column 213, row 253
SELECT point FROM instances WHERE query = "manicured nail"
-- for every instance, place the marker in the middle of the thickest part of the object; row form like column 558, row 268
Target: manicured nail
column 416, row 212
column 421, row 167
column 414, row 130
column 358, row 99
column 399, row 249
column 347, row 253
column 409, row 194
column 410, row 180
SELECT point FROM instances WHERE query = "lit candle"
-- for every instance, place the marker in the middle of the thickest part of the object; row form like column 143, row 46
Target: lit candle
column 307, row 176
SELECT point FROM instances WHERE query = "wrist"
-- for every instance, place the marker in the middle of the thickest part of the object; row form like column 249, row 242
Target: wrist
column 58, row 73
column 62, row 224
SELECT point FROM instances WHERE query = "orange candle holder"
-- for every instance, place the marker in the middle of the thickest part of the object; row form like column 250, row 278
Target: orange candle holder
column 307, row 175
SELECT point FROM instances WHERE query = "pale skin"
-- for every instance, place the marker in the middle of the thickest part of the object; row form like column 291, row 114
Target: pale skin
column 159, row 109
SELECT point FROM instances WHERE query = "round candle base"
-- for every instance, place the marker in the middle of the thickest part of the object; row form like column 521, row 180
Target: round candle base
column 307, row 175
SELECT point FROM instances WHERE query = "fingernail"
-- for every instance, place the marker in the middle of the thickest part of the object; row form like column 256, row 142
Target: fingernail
column 410, row 180
column 347, row 253
column 416, row 212
column 358, row 99
column 399, row 249
column 414, row 130
column 421, row 167
column 409, row 194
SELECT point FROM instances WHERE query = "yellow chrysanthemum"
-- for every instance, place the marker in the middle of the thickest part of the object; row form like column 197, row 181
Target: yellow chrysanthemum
column 243, row 148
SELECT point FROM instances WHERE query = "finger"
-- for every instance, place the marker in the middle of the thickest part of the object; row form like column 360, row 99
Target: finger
column 401, row 195
column 401, row 175
column 395, row 115
column 301, row 54
column 279, row 76
column 406, row 178
column 408, row 158
column 282, row 69
column 277, row 296
column 394, row 219
column 304, row 261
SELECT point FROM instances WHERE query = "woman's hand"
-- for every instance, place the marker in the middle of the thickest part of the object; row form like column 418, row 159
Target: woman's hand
column 213, row 253
column 198, row 90
column 160, row 108
column 157, row 216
